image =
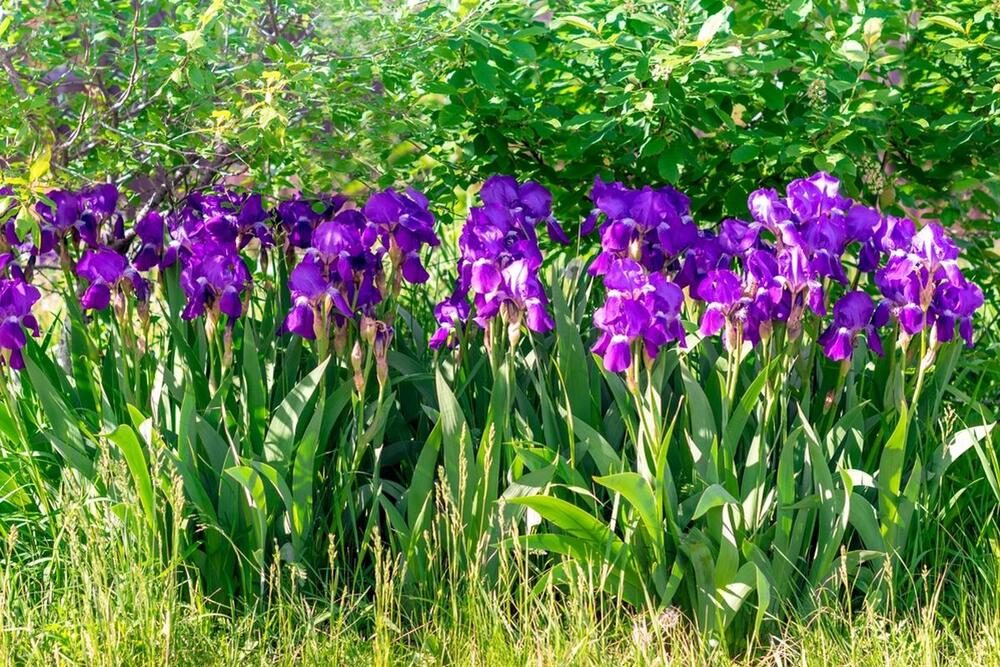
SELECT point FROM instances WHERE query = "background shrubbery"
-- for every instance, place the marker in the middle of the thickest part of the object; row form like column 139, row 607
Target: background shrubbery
column 900, row 101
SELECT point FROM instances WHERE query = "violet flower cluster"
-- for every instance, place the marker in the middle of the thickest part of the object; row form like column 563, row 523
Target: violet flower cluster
column 776, row 269
column 17, row 297
column 205, row 237
column 780, row 268
column 916, row 274
column 89, row 221
column 341, row 276
column 499, row 261
column 645, row 236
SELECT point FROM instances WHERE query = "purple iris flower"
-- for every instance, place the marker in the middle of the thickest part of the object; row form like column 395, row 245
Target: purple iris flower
column 737, row 237
column 516, row 289
column 922, row 285
column 106, row 270
column 639, row 307
column 932, row 247
column 227, row 216
column 795, row 272
column 854, row 316
column 955, row 304
column 529, row 203
column 80, row 215
column 341, row 265
column 500, row 258
column 902, row 284
column 652, row 226
column 664, row 300
column 16, row 300
column 812, row 226
column 150, row 232
column 308, row 285
column 449, row 313
column 299, row 217
column 216, row 279
column 890, row 236
column 220, row 216
column 722, row 290
column 403, row 223
column 252, row 219
column 770, row 210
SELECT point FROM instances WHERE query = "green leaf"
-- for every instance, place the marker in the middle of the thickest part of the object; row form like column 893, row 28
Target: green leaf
column 862, row 517
column 256, row 498
column 419, row 494
column 702, row 420
column 603, row 454
column 890, row 479
column 523, row 50
column 738, row 419
column 639, row 494
column 194, row 39
column 712, row 25
column 943, row 21
column 854, row 51
column 485, row 75
column 571, row 519
column 712, row 497
column 256, row 394
column 280, row 439
column 40, row 165
column 571, row 360
column 458, row 459
column 65, row 434
column 575, row 21
column 125, row 438
column 961, row 442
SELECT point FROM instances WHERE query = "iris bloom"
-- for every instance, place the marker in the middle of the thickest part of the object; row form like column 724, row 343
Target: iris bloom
column 16, row 300
column 106, row 270
column 854, row 317
column 640, row 307
column 403, row 223
column 217, row 281
column 500, row 258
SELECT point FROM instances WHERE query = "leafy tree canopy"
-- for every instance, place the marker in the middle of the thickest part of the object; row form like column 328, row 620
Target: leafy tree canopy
column 900, row 100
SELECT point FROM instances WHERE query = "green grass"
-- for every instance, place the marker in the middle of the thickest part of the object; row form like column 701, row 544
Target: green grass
column 100, row 598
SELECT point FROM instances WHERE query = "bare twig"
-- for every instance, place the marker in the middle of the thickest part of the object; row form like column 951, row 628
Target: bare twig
column 15, row 78
column 71, row 139
column 133, row 75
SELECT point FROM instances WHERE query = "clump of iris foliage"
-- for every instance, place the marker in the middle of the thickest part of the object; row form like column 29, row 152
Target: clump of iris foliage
column 732, row 418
